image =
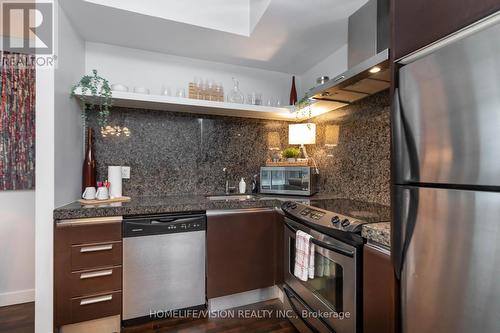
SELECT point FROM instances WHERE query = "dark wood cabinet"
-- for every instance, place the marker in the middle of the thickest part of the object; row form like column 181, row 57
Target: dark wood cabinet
column 87, row 269
column 244, row 251
column 420, row 23
column 379, row 291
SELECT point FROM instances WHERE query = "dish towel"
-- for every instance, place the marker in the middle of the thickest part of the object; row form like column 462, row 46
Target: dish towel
column 304, row 256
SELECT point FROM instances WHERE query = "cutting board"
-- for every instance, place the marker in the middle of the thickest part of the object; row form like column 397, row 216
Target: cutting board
column 102, row 202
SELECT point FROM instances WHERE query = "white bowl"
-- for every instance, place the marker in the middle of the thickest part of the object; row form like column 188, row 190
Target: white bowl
column 119, row 87
column 141, row 90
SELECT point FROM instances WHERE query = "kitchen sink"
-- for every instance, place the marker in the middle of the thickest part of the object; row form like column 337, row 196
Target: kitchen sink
column 241, row 197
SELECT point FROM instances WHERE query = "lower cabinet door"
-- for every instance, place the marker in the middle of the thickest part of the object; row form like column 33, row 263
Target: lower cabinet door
column 379, row 291
column 243, row 251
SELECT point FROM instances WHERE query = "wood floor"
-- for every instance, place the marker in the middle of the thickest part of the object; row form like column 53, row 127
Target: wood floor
column 270, row 324
column 20, row 319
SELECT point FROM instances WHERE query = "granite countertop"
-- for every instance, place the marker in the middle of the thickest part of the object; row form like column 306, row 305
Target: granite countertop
column 141, row 205
column 169, row 204
column 378, row 232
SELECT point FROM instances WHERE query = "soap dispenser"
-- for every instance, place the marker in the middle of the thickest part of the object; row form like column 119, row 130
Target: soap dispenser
column 243, row 186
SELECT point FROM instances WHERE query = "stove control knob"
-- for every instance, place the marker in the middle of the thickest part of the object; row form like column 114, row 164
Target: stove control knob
column 335, row 219
column 345, row 223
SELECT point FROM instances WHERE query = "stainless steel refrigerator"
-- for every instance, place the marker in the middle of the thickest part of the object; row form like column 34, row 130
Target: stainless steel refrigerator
column 446, row 150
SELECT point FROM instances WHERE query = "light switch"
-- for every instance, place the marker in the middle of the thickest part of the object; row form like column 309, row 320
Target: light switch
column 125, row 172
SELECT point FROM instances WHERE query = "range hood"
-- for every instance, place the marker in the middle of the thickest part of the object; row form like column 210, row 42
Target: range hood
column 368, row 57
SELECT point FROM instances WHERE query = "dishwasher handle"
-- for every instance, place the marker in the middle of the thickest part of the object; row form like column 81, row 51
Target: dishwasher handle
column 166, row 225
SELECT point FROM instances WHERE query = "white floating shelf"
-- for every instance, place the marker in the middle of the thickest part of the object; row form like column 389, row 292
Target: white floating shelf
column 178, row 104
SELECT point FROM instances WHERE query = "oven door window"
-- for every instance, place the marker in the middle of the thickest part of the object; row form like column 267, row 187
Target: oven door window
column 328, row 278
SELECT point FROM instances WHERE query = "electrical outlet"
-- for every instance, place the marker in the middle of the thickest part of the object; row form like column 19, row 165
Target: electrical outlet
column 125, row 172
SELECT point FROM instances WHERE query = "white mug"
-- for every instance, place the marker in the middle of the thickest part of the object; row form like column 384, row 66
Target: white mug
column 89, row 193
column 102, row 193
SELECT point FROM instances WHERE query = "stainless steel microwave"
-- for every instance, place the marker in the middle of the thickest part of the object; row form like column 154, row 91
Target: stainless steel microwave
column 289, row 180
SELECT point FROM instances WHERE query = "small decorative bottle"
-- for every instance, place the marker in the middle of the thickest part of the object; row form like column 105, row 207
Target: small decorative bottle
column 293, row 92
column 89, row 164
column 236, row 96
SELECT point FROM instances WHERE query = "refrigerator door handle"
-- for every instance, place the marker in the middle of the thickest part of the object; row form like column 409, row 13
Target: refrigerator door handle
column 398, row 139
column 406, row 167
column 406, row 208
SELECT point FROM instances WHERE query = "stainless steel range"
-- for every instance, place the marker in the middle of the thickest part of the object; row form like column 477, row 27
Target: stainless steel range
column 331, row 301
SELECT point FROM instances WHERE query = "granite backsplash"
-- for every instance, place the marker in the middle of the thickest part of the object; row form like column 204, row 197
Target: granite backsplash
column 359, row 166
column 171, row 153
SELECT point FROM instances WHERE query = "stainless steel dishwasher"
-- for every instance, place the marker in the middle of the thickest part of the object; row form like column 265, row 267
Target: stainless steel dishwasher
column 163, row 264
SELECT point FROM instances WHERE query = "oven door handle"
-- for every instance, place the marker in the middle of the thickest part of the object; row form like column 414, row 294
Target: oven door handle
column 290, row 297
column 327, row 246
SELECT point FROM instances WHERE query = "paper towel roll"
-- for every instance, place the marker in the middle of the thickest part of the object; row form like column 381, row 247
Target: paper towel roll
column 115, row 178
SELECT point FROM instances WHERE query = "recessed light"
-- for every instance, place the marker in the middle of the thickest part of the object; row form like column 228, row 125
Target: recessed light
column 375, row 69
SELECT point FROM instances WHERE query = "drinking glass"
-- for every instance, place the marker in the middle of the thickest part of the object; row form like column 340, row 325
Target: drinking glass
column 181, row 92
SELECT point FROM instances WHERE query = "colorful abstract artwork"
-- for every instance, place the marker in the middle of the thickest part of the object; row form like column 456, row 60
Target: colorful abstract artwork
column 17, row 122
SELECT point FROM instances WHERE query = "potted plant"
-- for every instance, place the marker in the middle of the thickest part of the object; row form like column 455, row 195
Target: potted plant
column 291, row 154
column 95, row 96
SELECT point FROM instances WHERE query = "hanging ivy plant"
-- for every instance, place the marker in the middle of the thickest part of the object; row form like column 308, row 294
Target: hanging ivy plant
column 303, row 107
column 95, row 96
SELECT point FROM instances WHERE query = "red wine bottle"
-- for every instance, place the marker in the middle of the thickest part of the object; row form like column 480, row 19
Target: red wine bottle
column 89, row 164
column 293, row 92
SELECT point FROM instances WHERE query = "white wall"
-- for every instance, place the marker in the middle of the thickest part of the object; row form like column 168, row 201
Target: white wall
column 44, row 200
column 58, row 175
column 17, row 254
column 17, row 237
column 153, row 70
column 331, row 66
column 68, row 121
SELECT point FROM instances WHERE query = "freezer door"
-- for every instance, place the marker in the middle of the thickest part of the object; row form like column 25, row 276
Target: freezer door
column 447, row 114
column 450, row 268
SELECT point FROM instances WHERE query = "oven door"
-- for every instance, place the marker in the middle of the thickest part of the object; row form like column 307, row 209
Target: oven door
column 333, row 292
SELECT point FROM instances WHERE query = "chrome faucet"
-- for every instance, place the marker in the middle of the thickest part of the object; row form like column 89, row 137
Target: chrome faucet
column 226, row 179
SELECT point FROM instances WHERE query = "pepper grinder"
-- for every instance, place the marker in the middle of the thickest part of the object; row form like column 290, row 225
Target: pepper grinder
column 255, row 184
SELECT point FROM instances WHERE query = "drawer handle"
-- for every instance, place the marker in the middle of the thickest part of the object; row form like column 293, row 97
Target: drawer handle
column 96, row 248
column 94, row 300
column 91, row 275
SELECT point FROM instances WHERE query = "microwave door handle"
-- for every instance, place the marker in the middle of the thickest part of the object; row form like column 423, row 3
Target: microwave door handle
column 327, row 246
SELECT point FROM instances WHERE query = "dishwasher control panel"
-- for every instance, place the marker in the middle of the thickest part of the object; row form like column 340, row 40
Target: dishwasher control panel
column 136, row 226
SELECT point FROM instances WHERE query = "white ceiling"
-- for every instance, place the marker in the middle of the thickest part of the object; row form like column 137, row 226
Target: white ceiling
column 235, row 16
column 288, row 36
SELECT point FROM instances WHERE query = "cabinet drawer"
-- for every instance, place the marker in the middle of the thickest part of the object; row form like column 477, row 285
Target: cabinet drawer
column 91, row 230
column 96, row 306
column 88, row 256
column 95, row 281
